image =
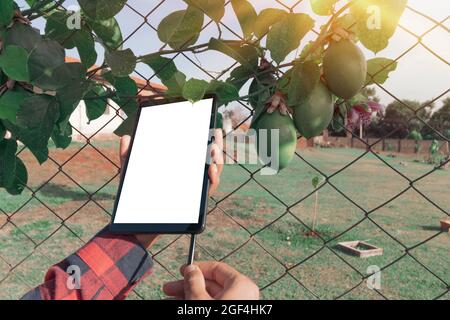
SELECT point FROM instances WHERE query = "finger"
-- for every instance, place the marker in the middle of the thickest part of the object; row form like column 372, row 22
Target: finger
column 174, row 288
column 194, row 284
column 218, row 272
column 124, row 145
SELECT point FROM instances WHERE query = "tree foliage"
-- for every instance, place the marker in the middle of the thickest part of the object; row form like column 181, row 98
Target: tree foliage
column 39, row 90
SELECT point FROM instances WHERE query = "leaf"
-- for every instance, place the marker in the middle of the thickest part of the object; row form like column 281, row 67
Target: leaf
column 215, row 9
column 246, row 15
column 20, row 180
column 56, row 29
column 108, row 31
column 323, row 7
column 22, row 35
column 285, row 35
column 126, row 92
column 6, row 12
column 127, row 126
column 35, row 121
column 42, row 62
column 194, row 89
column 181, row 29
column 164, row 68
column 246, row 55
column 95, row 106
column 175, row 84
column 376, row 21
column 239, row 76
column 378, row 70
column 122, row 62
column 266, row 19
column 303, row 79
column 102, row 9
column 10, row 103
column 62, row 139
column 8, row 149
column 86, row 48
column 224, row 91
column 13, row 61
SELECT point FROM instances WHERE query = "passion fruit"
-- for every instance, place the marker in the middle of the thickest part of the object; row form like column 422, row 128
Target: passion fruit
column 287, row 137
column 344, row 68
column 315, row 113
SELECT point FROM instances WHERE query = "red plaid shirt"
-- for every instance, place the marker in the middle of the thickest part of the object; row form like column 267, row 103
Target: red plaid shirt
column 109, row 267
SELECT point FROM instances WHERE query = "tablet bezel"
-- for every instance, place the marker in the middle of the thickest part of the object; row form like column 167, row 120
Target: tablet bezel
column 166, row 228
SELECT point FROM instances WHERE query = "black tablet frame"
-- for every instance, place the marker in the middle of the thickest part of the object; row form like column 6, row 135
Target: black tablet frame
column 166, row 228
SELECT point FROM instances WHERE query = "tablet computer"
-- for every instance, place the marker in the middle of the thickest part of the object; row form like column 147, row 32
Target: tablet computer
column 164, row 181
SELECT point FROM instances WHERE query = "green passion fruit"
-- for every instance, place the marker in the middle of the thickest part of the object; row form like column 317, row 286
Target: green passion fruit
column 287, row 137
column 344, row 68
column 315, row 113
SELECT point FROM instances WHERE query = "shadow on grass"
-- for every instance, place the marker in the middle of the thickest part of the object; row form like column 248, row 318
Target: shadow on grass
column 61, row 191
column 431, row 228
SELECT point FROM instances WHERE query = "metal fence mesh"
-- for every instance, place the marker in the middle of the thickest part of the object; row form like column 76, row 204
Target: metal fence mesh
column 314, row 270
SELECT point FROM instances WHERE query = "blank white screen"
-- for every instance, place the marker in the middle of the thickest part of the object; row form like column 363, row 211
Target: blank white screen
column 164, row 177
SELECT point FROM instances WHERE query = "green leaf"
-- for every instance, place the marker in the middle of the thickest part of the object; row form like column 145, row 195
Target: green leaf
column 127, row 126
column 303, row 79
column 266, row 19
column 175, row 84
column 122, row 62
column 246, row 15
column 13, row 61
column 194, row 89
column 378, row 70
column 376, row 21
column 22, row 35
column 38, row 112
column 224, row 91
column 70, row 96
column 239, row 76
column 95, row 106
column 86, row 48
column 56, row 29
column 246, row 55
column 285, row 35
column 20, row 180
column 181, row 29
column 8, row 149
column 215, row 9
column 42, row 62
column 102, row 9
column 108, row 31
column 323, row 7
column 164, row 68
column 126, row 92
column 6, row 12
column 2, row 131
column 10, row 103
column 62, row 139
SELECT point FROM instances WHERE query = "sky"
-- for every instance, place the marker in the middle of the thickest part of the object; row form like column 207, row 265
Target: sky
column 420, row 75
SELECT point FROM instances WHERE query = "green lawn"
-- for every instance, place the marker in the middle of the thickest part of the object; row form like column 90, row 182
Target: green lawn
column 281, row 256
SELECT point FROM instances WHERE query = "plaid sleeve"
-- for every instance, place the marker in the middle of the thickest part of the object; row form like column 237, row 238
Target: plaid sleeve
column 108, row 267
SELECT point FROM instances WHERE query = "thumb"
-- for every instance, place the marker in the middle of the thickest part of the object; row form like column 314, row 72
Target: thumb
column 194, row 284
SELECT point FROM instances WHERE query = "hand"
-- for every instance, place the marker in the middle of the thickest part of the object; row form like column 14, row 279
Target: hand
column 214, row 172
column 212, row 280
column 215, row 169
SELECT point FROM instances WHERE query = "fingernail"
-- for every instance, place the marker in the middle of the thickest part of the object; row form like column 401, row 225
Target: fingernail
column 189, row 268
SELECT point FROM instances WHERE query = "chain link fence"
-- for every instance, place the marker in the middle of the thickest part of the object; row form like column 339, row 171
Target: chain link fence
column 261, row 225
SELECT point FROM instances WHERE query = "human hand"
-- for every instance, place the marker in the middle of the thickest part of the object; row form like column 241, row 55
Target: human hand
column 215, row 168
column 214, row 172
column 212, row 280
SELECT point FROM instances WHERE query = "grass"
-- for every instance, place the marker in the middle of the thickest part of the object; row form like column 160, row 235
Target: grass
column 240, row 229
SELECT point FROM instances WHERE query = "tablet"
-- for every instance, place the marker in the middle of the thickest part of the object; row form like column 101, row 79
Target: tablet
column 164, row 181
